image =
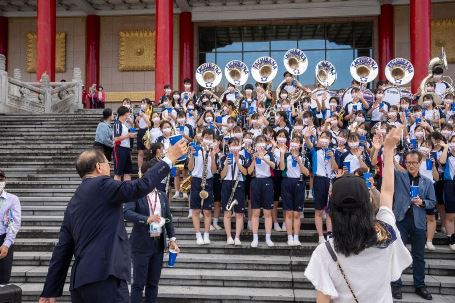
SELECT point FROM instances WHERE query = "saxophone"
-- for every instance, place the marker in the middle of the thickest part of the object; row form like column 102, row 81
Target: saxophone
column 232, row 201
column 204, row 194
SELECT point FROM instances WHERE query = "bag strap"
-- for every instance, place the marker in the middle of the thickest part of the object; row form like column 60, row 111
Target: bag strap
column 335, row 259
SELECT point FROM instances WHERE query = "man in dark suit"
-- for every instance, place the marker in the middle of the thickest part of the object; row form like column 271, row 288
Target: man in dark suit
column 93, row 230
column 147, row 245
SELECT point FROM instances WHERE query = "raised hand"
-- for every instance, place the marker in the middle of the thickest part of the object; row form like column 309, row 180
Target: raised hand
column 393, row 137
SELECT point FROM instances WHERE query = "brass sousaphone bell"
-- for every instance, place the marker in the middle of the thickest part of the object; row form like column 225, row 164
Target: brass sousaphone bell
column 236, row 72
column 264, row 69
column 326, row 73
column 208, row 75
column 364, row 69
column 399, row 71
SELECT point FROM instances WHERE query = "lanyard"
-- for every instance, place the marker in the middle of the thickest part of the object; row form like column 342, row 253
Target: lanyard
column 152, row 207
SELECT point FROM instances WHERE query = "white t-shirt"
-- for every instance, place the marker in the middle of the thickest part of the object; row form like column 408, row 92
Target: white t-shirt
column 369, row 272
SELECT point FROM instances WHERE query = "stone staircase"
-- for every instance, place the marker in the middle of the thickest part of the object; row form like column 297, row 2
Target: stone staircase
column 38, row 152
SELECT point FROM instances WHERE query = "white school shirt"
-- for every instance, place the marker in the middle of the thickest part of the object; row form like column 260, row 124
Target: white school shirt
column 291, row 171
column 323, row 166
column 423, row 171
column 199, row 164
column 156, row 133
column 354, row 162
column 232, row 166
column 369, row 273
column 263, row 170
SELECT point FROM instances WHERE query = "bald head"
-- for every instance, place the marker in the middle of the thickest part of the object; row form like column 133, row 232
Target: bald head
column 87, row 162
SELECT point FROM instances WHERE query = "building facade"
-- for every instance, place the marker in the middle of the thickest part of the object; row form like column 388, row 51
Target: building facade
column 133, row 47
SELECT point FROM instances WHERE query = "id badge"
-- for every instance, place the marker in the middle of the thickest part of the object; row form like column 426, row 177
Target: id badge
column 154, row 230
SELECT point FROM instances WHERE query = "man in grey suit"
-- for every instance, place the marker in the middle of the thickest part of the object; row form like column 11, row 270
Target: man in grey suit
column 411, row 218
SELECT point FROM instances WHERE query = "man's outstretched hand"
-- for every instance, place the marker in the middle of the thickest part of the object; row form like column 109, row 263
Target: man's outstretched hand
column 177, row 150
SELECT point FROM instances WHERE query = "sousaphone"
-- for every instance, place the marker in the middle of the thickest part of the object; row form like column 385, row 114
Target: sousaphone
column 264, row 69
column 208, row 75
column 326, row 75
column 364, row 69
column 236, row 72
column 398, row 72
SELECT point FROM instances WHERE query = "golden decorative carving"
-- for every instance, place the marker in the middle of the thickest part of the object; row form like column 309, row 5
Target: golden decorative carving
column 134, row 96
column 60, row 52
column 442, row 32
column 136, row 50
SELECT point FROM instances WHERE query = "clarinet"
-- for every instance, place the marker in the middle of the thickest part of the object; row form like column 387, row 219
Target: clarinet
column 203, row 194
column 232, row 201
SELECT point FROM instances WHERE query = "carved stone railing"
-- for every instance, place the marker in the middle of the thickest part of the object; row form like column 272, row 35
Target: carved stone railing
column 39, row 97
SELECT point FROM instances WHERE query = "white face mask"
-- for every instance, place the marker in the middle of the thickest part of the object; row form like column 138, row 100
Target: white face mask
column 452, row 146
column 209, row 108
column 283, row 96
column 324, row 142
column 261, row 110
column 207, row 142
column 167, row 91
column 298, row 127
column 286, row 107
column 254, row 122
column 238, row 135
column 248, row 141
column 404, row 106
column 260, row 145
column 334, row 123
column 392, row 115
column 294, row 145
column 190, row 107
column 306, row 121
column 181, row 120
column 209, row 119
column 156, row 119
column 2, row 186
column 427, row 103
column 361, row 132
column 341, row 141
column 248, row 91
column 234, row 149
column 187, row 86
column 281, row 140
column 176, row 97
column 419, row 135
column 353, row 144
column 360, row 119
column 424, row 150
column 446, row 133
column 166, row 131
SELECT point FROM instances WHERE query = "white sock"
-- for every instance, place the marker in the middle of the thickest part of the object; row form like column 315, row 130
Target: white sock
column 276, row 225
column 290, row 238
column 198, row 235
column 249, row 223
column 267, row 237
column 321, row 238
column 255, row 237
column 296, row 237
column 215, row 221
column 206, row 235
column 190, row 212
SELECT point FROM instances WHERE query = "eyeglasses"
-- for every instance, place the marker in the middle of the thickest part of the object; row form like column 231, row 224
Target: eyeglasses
column 411, row 163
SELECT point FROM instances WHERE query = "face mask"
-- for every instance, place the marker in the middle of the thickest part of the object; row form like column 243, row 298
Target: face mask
column 209, row 108
column 283, row 96
column 230, row 89
column 360, row 119
column 450, row 122
column 448, row 101
column 248, row 141
column 294, row 145
column 281, row 140
column 165, row 103
column 181, row 121
column 207, row 142
column 341, row 141
column 167, row 91
column 452, row 146
column 286, row 107
column 260, row 145
column 379, row 96
column 418, row 135
column 353, row 144
column 254, row 121
column 190, row 107
column 361, row 132
column 404, row 106
column 238, row 135
column 298, row 127
column 248, row 91
column 392, row 115
column 225, row 109
column 176, row 97
column 261, row 110
column 333, row 105
column 209, row 119
column 166, row 131
column 306, row 105
column 156, row 120
column 437, row 77
column 383, row 131
column 199, row 135
column 446, row 133
column 427, row 103
column 204, row 100
column 324, row 142
column 234, row 149
column 424, row 150
column 2, row 186
column 306, row 121
column 187, row 86
column 334, row 123
column 230, row 125
column 143, row 106
column 417, row 115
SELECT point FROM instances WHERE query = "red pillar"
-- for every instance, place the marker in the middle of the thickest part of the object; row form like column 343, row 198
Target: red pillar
column 186, row 48
column 164, row 45
column 420, row 39
column 386, row 37
column 92, row 50
column 46, row 39
column 4, row 36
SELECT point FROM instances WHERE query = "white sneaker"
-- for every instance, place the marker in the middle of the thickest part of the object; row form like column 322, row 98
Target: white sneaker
column 452, row 247
column 206, row 239
column 201, row 216
column 297, row 243
column 254, row 244
column 185, row 196
column 212, row 228
column 190, row 216
column 199, row 241
column 237, row 242
column 310, row 194
column 217, row 227
column 269, row 243
column 291, row 243
column 283, row 227
column 302, row 215
column 430, row 246
column 176, row 195
column 230, row 241
column 277, row 227
column 324, row 215
column 321, row 240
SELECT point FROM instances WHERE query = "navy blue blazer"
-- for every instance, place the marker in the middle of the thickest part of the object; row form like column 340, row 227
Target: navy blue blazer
column 138, row 213
column 93, row 229
column 402, row 198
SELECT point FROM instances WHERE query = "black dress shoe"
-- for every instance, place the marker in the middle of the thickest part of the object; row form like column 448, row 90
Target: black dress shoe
column 424, row 293
column 396, row 293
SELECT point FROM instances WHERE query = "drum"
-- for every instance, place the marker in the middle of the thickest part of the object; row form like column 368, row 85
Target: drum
column 392, row 95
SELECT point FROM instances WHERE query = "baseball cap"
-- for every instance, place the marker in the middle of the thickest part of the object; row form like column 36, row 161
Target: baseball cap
column 349, row 191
